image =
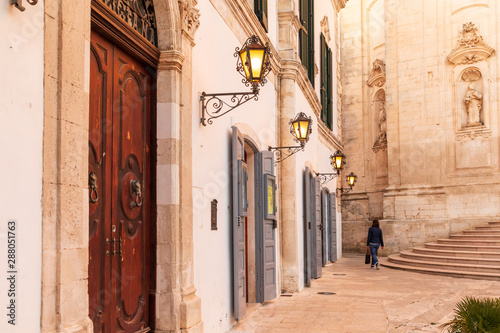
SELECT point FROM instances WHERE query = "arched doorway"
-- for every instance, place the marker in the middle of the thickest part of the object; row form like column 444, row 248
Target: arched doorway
column 121, row 165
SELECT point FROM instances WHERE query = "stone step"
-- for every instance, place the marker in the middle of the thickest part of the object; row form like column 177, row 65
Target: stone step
column 398, row 259
column 479, row 242
column 476, row 237
column 462, row 247
column 495, row 262
column 482, row 232
column 494, row 223
column 454, row 253
column 427, row 270
column 490, row 228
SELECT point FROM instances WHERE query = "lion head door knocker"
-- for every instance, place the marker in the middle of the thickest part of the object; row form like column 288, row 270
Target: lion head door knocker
column 135, row 194
column 93, row 195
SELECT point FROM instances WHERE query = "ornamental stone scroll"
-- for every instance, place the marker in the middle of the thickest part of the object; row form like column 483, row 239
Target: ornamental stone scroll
column 471, row 47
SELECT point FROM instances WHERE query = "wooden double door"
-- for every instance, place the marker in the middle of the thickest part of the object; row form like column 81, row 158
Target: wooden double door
column 119, row 189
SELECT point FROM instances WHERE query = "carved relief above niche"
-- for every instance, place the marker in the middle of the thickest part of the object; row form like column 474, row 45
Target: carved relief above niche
column 471, row 47
column 377, row 75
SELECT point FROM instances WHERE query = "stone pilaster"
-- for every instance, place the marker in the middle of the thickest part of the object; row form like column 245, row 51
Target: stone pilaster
column 65, row 193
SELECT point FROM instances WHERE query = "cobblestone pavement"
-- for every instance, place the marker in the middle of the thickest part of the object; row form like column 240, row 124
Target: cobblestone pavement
column 366, row 300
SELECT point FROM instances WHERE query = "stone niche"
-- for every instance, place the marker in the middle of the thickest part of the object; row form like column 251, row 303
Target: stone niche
column 471, row 100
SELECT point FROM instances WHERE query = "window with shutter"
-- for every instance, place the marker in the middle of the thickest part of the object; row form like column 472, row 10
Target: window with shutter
column 260, row 8
column 306, row 37
column 326, row 83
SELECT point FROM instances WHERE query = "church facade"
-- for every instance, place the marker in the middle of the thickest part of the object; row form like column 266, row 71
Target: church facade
column 420, row 118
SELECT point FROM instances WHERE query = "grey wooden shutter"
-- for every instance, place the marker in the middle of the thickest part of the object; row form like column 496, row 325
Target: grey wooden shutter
column 238, row 224
column 265, row 227
column 307, row 228
column 333, row 208
column 316, row 228
column 324, row 226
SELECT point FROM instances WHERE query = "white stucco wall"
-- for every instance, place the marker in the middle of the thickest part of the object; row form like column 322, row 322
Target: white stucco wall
column 21, row 127
column 214, row 71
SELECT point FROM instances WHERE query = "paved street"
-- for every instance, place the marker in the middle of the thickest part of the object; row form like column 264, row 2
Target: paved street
column 366, row 300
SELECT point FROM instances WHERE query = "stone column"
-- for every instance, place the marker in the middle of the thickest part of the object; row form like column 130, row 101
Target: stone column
column 289, row 25
column 288, row 180
column 65, row 162
column 178, row 306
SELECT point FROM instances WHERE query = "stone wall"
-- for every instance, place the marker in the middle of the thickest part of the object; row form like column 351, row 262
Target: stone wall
column 420, row 125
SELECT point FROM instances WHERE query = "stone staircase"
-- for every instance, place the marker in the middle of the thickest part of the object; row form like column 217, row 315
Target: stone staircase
column 473, row 254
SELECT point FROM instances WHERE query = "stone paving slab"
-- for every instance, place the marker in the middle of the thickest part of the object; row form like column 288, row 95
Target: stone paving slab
column 367, row 300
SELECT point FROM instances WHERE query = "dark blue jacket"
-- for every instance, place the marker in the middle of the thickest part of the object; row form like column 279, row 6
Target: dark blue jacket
column 375, row 236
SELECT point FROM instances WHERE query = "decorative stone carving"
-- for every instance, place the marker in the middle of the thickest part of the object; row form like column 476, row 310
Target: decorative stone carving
column 471, row 47
column 473, row 104
column 325, row 29
column 377, row 76
column 139, row 14
column 379, row 105
column 190, row 16
column 471, row 75
column 473, row 132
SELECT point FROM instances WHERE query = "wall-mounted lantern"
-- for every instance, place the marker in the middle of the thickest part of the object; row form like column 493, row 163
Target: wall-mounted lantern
column 351, row 180
column 19, row 4
column 301, row 129
column 337, row 160
column 254, row 65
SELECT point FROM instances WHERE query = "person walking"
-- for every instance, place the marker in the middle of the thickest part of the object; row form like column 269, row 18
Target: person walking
column 373, row 241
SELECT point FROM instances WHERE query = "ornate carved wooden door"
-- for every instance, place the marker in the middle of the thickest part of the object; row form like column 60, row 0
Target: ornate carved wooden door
column 119, row 190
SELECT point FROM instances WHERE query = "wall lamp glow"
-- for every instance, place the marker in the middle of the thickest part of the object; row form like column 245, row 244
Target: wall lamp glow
column 254, row 65
column 337, row 160
column 351, row 180
column 19, row 4
column 301, row 128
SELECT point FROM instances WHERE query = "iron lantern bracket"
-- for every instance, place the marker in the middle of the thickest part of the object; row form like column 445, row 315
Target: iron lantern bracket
column 326, row 177
column 282, row 153
column 19, row 4
column 216, row 105
column 342, row 191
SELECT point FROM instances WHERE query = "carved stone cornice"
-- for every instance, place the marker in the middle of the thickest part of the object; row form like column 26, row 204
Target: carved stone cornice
column 471, row 47
column 327, row 137
column 473, row 133
column 325, row 29
column 339, row 4
column 190, row 18
column 377, row 75
column 171, row 60
column 248, row 21
column 308, row 90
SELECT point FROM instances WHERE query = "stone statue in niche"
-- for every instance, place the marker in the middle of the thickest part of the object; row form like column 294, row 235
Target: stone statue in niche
column 473, row 104
column 382, row 123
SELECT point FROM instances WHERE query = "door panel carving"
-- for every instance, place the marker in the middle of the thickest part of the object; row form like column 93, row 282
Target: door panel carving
column 119, row 134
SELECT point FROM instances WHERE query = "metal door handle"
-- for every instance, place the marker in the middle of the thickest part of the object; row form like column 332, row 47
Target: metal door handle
column 93, row 195
column 135, row 189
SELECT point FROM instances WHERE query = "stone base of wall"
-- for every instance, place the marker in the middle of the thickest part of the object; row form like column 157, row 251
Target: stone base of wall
column 402, row 235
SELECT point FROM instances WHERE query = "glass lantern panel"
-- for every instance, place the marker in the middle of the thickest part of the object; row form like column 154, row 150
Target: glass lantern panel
column 256, row 60
column 243, row 56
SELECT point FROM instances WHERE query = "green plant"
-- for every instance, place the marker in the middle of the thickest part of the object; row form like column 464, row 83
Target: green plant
column 473, row 315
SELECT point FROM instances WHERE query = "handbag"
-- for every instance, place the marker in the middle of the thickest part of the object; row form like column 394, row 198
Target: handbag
column 367, row 257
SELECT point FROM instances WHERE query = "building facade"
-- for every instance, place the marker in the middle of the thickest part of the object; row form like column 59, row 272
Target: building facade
column 127, row 211
column 420, row 81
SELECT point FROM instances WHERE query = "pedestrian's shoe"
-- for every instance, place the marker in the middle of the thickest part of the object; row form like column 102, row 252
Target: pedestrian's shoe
column 377, row 266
